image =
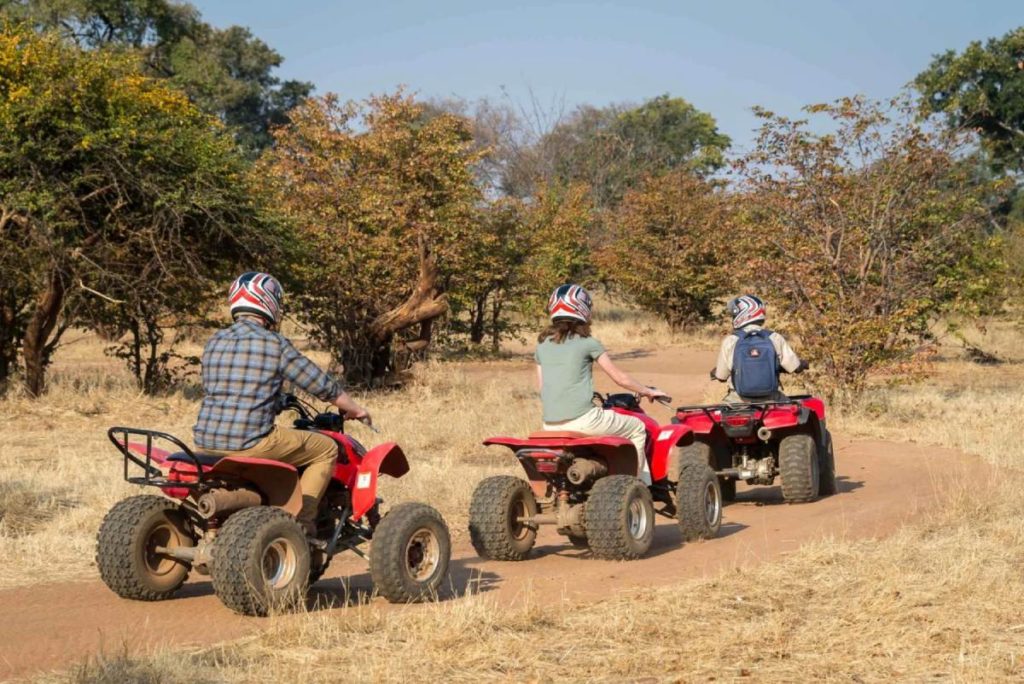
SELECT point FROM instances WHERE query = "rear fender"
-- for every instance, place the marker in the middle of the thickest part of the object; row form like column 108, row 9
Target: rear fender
column 277, row 481
column 158, row 455
column 176, row 470
column 667, row 438
column 782, row 417
column 699, row 423
column 618, row 452
column 387, row 458
column 805, row 420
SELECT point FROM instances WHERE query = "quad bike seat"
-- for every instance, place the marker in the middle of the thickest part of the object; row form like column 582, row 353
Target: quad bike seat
column 208, row 460
column 557, row 434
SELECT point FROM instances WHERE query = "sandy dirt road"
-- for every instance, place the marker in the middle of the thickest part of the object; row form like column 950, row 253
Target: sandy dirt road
column 881, row 486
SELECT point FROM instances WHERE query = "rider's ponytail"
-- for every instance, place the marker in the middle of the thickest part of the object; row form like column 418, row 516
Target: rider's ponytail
column 563, row 328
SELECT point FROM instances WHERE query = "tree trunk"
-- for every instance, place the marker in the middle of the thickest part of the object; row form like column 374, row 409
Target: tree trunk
column 496, row 325
column 425, row 302
column 37, row 345
column 476, row 321
column 9, row 335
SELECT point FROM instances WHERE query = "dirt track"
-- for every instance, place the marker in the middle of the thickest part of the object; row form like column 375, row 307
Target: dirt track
column 881, row 485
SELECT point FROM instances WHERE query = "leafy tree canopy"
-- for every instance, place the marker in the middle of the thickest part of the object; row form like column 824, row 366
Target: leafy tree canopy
column 982, row 88
column 614, row 148
column 120, row 202
column 385, row 199
column 226, row 72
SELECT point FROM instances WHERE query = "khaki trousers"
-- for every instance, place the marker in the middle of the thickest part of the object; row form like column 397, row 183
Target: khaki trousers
column 598, row 421
column 299, row 448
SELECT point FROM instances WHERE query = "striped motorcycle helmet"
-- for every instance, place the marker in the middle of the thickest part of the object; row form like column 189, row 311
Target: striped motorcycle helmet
column 256, row 293
column 570, row 301
column 745, row 310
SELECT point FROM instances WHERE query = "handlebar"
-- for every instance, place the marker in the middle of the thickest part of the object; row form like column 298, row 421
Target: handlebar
column 310, row 418
column 606, row 399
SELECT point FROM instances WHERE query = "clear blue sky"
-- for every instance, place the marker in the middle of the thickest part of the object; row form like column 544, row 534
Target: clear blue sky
column 722, row 56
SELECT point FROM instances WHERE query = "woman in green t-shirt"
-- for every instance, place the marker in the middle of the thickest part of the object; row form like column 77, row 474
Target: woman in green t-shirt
column 565, row 355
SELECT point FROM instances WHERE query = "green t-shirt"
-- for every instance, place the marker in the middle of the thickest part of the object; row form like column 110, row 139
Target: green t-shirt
column 568, row 388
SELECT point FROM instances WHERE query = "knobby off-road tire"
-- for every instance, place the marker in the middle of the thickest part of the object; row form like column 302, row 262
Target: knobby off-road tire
column 125, row 547
column 410, row 553
column 827, row 467
column 698, row 502
column 619, row 518
column 701, row 452
column 578, row 542
column 260, row 562
column 798, row 465
column 494, row 528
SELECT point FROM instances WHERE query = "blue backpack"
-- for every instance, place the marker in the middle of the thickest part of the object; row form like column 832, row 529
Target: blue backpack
column 755, row 365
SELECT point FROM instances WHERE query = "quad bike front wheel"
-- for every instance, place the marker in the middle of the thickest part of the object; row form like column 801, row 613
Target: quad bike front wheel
column 700, row 453
column 619, row 518
column 495, row 526
column 826, row 467
column 130, row 543
column 798, row 465
column 260, row 561
column 410, row 553
column 698, row 502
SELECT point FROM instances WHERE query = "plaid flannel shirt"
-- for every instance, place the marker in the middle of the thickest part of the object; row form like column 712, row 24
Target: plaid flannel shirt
column 244, row 368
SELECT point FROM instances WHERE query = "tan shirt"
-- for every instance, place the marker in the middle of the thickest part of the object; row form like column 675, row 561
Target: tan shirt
column 787, row 357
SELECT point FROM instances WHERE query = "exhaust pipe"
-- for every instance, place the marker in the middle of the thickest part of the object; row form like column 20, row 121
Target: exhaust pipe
column 764, row 434
column 582, row 470
column 222, row 501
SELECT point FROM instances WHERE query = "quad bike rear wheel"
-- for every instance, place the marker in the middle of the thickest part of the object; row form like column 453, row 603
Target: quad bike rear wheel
column 619, row 517
column 128, row 543
column 798, row 465
column 826, row 467
column 577, row 541
column 260, row 561
column 494, row 518
column 410, row 553
column 698, row 502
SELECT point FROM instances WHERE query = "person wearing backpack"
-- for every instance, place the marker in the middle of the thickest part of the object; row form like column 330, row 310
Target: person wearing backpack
column 752, row 357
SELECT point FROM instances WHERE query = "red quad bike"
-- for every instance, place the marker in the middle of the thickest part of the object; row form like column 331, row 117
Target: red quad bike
column 233, row 518
column 759, row 441
column 588, row 488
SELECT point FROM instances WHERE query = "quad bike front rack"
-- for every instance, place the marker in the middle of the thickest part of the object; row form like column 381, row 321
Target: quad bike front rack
column 152, row 475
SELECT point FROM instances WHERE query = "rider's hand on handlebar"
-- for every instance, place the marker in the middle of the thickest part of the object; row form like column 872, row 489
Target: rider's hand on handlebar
column 360, row 414
column 351, row 410
column 655, row 394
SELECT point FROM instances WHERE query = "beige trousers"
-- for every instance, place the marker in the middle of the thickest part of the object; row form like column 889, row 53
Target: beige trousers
column 299, row 448
column 598, row 421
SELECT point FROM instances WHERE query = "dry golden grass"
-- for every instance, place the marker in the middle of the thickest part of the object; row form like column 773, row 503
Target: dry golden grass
column 59, row 474
column 938, row 600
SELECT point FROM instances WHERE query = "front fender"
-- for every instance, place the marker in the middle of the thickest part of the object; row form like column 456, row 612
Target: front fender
column 665, row 439
column 387, row 458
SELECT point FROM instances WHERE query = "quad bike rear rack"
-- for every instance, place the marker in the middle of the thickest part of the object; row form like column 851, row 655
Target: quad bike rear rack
column 708, row 409
column 152, row 475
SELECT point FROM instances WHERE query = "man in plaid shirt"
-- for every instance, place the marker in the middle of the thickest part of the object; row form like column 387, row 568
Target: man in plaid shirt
column 244, row 369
